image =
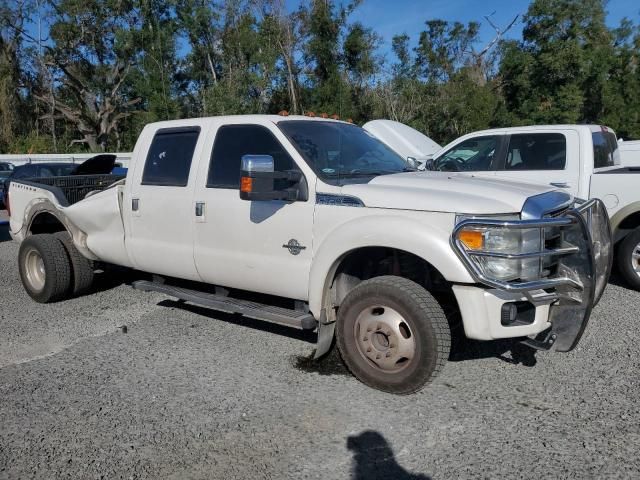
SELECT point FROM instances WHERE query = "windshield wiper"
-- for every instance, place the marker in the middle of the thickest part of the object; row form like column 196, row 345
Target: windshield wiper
column 366, row 173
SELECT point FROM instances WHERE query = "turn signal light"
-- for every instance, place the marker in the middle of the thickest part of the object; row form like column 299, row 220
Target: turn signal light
column 472, row 239
column 246, row 184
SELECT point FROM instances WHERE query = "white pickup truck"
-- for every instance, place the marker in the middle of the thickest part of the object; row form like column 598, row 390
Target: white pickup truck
column 629, row 153
column 583, row 160
column 334, row 232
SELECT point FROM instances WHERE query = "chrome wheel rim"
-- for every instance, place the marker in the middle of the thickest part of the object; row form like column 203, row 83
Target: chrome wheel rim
column 384, row 338
column 34, row 270
column 635, row 259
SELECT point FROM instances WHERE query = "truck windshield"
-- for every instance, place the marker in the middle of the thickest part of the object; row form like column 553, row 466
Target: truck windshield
column 338, row 151
column 605, row 149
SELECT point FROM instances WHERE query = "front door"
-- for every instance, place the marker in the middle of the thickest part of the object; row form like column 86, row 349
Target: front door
column 479, row 155
column 262, row 246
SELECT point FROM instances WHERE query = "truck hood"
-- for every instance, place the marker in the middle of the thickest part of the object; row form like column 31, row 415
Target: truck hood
column 444, row 192
column 404, row 140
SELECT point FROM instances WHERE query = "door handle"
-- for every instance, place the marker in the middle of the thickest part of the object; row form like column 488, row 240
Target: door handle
column 135, row 204
column 559, row 184
column 199, row 209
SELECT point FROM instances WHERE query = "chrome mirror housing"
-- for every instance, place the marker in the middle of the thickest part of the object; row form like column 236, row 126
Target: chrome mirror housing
column 257, row 163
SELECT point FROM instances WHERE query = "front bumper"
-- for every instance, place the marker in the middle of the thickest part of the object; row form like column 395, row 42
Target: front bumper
column 563, row 300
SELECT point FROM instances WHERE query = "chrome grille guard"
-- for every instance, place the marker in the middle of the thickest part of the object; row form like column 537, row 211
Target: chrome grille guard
column 590, row 217
column 582, row 269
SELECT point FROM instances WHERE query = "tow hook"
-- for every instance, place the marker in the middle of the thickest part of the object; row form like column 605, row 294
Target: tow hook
column 544, row 340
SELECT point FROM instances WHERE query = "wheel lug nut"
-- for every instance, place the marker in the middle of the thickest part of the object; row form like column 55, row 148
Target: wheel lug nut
column 388, row 354
column 368, row 329
column 391, row 345
column 378, row 357
column 365, row 339
column 368, row 349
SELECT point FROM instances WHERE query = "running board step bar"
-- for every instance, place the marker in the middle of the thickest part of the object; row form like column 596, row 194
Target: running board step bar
column 282, row 316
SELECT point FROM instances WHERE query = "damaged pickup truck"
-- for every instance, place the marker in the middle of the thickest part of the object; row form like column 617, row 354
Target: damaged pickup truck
column 316, row 224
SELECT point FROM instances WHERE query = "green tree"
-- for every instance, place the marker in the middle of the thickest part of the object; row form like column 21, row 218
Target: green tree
column 323, row 26
column 621, row 105
column 91, row 56
column 558, row 72
column 10, row 72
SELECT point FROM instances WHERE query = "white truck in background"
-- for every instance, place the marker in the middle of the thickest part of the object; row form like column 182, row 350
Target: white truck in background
column 583, row 160
column 629, row 153
column 315, row 224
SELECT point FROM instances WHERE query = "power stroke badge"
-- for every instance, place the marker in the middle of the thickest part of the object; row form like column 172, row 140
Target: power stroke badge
column 294, row 247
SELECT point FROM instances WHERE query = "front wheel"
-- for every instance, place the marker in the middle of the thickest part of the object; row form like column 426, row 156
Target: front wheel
column 628, row 258
column 392, row 334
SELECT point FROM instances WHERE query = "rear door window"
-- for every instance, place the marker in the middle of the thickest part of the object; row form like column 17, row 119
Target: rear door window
column 169, row 159
column 605, row 149
column 536, row 151
column 475, row 155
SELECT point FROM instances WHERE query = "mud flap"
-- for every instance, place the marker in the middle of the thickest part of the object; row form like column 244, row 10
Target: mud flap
column 325, row 336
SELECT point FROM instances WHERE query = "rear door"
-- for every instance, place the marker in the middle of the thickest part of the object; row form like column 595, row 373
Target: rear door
column 550, row 157
column 160, row 205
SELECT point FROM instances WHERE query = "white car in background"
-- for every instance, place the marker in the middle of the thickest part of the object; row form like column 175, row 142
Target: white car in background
column 583, row 160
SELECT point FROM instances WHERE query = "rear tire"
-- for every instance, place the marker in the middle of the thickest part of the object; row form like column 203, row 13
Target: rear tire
column 628, row 259
column 392, row 334
column 82, row 272
column 45, row 268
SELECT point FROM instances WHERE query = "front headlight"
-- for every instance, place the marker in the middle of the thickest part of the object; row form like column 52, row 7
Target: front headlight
column 502, row 242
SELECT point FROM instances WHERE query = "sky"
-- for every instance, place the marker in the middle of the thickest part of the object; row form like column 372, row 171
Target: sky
column 391, row 17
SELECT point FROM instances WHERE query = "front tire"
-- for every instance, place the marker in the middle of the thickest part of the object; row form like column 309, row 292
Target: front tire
column 45, row 269
column 392, row 334
column 628, row 259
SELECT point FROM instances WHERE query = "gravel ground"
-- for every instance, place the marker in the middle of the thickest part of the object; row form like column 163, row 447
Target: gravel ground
column 190, row 393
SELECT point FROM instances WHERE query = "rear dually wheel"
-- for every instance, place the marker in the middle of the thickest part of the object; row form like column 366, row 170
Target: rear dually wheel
column 45, row 268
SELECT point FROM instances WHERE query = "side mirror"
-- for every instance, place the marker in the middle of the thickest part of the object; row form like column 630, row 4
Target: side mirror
column 258, row 180
column 413, row 162
column 430, row 164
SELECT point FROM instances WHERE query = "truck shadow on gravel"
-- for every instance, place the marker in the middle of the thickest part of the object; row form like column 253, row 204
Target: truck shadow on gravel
column 617, row 280
column 4, row 233
column 462, row 349
column 238, row 319
column 373, row 459
column 113, row 277
column 508, row 350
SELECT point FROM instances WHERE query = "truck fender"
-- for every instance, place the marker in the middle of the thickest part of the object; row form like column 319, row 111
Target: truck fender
column 621, row 215
column 39, row 206
column 425, row 240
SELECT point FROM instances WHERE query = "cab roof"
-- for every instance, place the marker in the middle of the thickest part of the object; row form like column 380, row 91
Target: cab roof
column 244, row 119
